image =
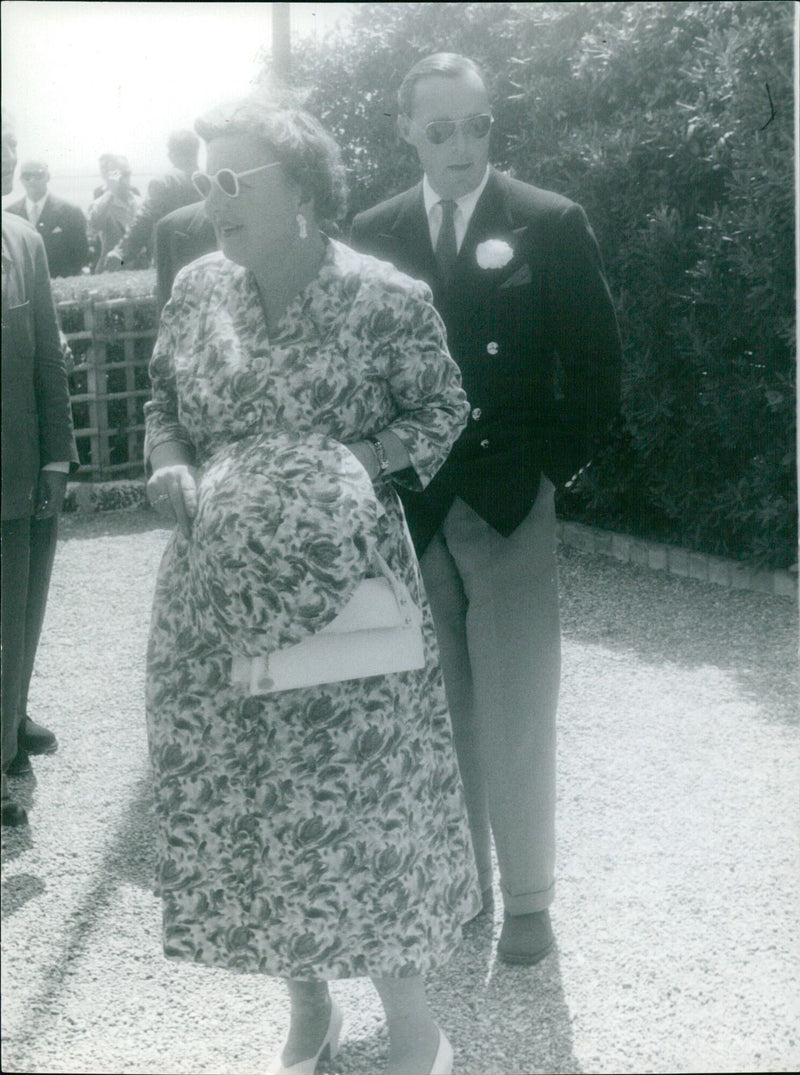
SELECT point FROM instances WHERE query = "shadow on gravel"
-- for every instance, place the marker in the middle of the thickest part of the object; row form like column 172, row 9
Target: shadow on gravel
column 667, row 619
column 16, row 841
column 503, row 1018
column 17, row 891
column 130, row 860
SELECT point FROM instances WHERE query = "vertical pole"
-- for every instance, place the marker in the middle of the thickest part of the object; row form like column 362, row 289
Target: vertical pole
column 281, row 42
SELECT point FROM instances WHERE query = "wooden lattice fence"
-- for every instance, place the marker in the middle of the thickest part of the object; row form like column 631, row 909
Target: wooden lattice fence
column 111, row 340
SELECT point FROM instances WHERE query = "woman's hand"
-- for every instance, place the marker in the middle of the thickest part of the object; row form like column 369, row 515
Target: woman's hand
column 172, row 491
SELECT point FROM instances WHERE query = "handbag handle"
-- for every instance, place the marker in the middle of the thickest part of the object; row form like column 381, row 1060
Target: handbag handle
column 405, row 602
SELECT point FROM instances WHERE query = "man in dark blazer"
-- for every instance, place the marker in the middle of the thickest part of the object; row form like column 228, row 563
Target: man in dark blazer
column 516, row 275
column 61, row 225
column 164, row 195
column 38, row 451
column 181, row 236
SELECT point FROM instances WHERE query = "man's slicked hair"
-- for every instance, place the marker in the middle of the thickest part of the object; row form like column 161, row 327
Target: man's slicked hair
column 448, row 64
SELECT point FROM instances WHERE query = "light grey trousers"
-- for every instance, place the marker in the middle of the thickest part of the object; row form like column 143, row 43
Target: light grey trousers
column 495, row 606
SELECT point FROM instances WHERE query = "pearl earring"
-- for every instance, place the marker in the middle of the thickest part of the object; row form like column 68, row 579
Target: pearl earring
column 302, row 226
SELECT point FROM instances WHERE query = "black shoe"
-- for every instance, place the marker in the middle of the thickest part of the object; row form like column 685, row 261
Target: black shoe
column 21, row 764
column 36, row 739
column 13, row 813
column 525, row 938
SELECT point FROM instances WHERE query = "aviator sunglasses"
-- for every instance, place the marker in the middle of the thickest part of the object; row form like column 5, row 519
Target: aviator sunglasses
column 439, row 131
column 226, row 179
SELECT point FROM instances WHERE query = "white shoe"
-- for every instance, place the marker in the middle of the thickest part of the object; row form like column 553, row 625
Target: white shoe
column 443, row 1064
column 329, row 1047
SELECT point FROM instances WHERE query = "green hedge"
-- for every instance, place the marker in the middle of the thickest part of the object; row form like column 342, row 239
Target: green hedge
column 656, row 118
column 136, row 283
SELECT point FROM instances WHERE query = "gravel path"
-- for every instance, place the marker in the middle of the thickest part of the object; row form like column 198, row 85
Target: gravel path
column 676, row 913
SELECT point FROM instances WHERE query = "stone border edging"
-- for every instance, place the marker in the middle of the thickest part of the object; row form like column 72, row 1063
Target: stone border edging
column 676, row 561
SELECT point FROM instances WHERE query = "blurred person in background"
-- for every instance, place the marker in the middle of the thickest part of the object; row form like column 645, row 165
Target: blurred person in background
column 181, row 236
column 113, row 211
column 38, row 452
column 165, row 194
column 516, row 275
column 359, row 864
column 61, row 225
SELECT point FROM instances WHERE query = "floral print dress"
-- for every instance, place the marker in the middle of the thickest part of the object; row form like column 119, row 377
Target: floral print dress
column 321, row 832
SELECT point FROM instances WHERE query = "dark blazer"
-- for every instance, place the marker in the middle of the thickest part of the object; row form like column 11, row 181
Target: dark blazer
column 181, row 237
column 164, row 195
column 536, row 340
column 62, row 227
column 37, row 417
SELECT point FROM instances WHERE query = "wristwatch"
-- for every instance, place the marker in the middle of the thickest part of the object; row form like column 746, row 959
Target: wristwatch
column 380, row 454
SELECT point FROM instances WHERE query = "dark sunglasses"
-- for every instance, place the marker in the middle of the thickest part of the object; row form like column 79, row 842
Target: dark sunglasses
column 33, row 175
column 226, row 179
column 439, row 131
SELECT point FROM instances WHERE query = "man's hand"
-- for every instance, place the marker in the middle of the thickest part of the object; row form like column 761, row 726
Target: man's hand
column 172, row 491
column 50, row 493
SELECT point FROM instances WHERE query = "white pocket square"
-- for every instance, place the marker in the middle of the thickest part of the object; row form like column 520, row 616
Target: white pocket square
column 56, row 230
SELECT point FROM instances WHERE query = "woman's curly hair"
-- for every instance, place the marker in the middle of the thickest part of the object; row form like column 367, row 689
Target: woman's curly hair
column 309, row 155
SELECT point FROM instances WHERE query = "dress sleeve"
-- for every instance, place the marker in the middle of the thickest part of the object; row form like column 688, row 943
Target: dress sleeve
column 425, row 384
column 162, row 424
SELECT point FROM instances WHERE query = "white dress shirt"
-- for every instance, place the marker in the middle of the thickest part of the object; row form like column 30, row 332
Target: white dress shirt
column 34, row 209
column 465, row 207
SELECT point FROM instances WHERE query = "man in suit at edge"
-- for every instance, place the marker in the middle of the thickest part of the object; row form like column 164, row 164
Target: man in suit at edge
column 164, row 195
column 61, row 225
column 181, row 236
column 38, row 452
column 517, row 277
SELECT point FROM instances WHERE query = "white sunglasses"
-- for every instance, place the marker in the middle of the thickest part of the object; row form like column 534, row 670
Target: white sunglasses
column 226, row 179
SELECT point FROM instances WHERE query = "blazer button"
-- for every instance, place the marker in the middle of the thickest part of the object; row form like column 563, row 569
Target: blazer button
column 492, row 348
column 484, row 444
column 477, row 412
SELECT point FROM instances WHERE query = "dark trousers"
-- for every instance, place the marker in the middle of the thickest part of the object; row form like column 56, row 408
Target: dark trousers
column 26, row 562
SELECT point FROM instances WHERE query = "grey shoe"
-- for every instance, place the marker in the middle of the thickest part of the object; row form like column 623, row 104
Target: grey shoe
column 525, row 938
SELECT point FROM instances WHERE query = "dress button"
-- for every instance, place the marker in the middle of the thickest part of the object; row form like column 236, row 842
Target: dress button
column 492, row 348
column 477, row 412
column 484, row 444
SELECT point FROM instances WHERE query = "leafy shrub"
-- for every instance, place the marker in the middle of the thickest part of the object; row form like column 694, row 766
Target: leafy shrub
column 137, row 283
column 655, row 118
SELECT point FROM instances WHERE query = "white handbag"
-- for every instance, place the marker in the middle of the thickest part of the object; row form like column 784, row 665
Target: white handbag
column 377, row 632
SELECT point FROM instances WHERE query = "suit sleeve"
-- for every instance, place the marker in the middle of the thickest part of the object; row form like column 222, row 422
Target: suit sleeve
column 165, row 262
column 78, row 241
column 140, row 234
column 588, row 353
column 51, row 388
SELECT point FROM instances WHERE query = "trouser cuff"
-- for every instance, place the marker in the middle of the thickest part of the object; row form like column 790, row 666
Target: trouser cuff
column 527, row 902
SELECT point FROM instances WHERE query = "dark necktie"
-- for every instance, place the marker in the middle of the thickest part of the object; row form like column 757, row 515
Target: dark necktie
column 446, row 249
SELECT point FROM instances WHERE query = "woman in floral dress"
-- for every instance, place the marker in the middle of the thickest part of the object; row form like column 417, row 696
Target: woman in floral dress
column 317, row 833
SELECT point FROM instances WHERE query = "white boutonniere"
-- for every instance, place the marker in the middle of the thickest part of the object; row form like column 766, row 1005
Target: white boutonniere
column 493, row 254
